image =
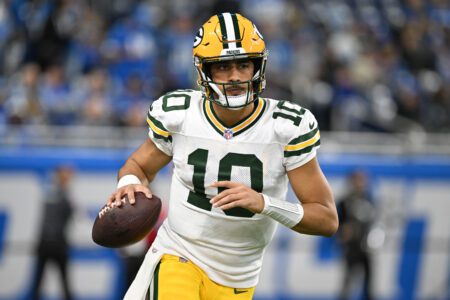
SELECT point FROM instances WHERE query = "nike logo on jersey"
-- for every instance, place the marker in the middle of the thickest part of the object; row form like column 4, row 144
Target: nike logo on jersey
column 236, row 291
column 311, row 125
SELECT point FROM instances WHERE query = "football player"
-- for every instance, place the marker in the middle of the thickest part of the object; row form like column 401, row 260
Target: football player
column 234, row 154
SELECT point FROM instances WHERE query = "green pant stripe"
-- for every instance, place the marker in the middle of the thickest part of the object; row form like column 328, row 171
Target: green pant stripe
column 155, row 282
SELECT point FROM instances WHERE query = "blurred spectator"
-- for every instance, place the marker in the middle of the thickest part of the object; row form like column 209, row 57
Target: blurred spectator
column 130, row 46
column 53, row 244
column 3, row 95
column 349, row 108
column 414, row 43
column 178, row 39
column 55, row 95
column 84, row 53
column 50, row 40
column 438, row 110
column 132, row 101
column 95, row 98
column 23, row 104
column 356, row 217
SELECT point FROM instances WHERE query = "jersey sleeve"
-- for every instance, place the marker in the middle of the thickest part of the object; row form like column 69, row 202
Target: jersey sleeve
column 163, row 122
column 300, row 139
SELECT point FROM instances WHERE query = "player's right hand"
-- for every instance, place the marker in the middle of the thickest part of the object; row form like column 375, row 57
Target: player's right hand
column 117, row 198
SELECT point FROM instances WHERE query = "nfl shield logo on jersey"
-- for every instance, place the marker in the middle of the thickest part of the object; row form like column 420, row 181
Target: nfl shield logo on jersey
column 228, row 134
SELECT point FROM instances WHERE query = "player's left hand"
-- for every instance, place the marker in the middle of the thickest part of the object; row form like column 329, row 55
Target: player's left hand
column 237, row 195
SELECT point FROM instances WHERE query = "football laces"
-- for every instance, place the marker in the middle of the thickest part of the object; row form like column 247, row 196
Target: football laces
column 107, row 208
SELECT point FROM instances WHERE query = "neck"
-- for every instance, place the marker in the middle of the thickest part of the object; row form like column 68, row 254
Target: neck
column 230, row 117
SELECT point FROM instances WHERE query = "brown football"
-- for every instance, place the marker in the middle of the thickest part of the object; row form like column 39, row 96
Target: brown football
column 125, row 225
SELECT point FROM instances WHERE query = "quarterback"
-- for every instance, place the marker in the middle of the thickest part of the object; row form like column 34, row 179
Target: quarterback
column 234, row 154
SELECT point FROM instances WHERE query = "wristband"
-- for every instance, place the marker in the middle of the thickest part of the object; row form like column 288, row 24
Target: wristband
column 288, row 214
column 128, row 179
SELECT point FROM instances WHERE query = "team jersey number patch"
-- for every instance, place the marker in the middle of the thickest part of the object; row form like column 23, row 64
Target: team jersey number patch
column 199, row 159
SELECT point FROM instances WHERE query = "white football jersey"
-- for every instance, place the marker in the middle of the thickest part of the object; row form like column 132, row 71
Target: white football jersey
column 258, row 151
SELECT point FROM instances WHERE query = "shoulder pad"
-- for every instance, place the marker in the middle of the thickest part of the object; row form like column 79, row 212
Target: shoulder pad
column 288, row 119
column 168, row 112
column 298, row 132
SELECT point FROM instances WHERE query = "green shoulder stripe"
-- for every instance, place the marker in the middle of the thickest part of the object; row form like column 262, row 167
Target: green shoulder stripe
column 156, row 122
column 304, row 137
column 158, row 129
column 302, row 151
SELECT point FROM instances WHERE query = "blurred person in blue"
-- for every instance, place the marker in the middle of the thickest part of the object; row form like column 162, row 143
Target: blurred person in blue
column 234, row 154
column 56, row 97
column 95, row 98
column 53, row 245
column 23, row 104
column 177, row 40
column 130, row 47
column 356, row 217
column 131, row 100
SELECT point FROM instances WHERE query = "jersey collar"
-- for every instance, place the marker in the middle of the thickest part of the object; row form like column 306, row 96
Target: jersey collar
column 238, row 128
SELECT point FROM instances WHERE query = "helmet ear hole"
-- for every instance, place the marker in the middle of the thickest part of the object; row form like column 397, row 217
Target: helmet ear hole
column 257, row 62
column 207, row 69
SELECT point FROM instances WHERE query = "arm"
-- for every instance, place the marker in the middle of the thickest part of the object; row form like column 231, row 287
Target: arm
column 311, row 187
column 144, row 163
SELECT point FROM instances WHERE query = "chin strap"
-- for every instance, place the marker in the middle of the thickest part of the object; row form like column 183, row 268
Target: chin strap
column 228, row 101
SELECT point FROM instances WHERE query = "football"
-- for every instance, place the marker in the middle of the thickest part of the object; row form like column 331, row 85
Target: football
column 125, row 225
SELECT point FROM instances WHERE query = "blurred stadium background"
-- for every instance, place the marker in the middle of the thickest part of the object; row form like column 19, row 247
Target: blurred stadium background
column 77, row 77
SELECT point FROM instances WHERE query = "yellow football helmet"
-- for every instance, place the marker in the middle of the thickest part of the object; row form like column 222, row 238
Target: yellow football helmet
column 229, row 36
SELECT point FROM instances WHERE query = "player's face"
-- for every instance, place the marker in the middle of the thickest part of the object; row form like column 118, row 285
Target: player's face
column 233, row 72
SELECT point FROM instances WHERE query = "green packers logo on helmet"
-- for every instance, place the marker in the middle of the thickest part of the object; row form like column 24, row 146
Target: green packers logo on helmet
column 198, row 37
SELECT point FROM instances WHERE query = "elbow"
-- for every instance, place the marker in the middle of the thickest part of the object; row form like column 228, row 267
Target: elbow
column 326, row 226
column 332, row 220
column 332, row 227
